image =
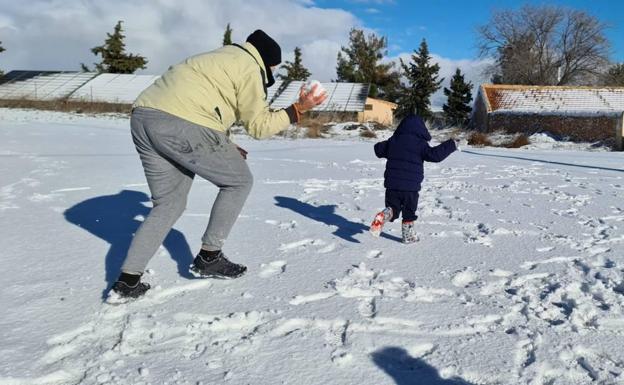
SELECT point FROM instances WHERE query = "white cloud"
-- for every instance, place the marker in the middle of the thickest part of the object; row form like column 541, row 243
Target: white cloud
column 372, row 10
column 58, row 34
column 380, row 2
column 472, row 70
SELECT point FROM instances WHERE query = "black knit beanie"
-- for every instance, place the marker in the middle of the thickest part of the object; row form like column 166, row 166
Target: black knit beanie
column 269, row 50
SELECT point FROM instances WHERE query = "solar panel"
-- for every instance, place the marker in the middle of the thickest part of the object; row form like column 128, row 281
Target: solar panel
column 23, row 75
column 125, row 88
column 341, row 97
column 39, row 85
column 114, row 88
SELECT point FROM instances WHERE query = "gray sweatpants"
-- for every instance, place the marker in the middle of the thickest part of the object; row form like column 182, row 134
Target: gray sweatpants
column 172, row 151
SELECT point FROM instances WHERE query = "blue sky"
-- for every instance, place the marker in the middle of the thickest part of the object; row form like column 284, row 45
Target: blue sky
column 449, row 25
column 36, row 38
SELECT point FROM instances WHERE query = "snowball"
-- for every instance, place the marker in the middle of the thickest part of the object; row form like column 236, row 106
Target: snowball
column 319, row 87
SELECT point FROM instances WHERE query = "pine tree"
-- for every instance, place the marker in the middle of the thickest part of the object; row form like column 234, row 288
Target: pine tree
column 227, row 35
column 422, row 82
column 114, row 58
column 360, row 62
column 457, row 108
column 1, row 50
column 295, row 69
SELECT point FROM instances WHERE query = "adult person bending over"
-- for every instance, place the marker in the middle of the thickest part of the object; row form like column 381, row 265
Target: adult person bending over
column 179, row 127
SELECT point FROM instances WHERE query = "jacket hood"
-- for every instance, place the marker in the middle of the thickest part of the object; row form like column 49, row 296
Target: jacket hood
column 413, row 125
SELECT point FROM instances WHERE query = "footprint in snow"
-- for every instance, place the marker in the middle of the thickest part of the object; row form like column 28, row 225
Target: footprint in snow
column 374, row 254
column 464, row 278
column 272, row 269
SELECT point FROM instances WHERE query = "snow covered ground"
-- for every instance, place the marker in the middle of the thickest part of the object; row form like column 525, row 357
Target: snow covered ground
column 518, row 277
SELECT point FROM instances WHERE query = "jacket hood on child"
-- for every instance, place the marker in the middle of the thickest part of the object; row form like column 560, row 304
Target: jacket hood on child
column 406, row 151
column 413, row 125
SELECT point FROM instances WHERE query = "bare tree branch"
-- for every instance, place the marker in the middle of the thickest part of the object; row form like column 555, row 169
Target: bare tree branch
column 544, row 45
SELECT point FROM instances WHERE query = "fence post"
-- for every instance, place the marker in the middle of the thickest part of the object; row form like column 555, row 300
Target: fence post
column 619, row 132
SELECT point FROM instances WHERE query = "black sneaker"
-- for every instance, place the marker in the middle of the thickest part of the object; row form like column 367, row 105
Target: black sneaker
column 209, row 264
column 122, row 292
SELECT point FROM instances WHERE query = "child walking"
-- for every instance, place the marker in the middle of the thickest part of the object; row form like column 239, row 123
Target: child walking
column 406, row 150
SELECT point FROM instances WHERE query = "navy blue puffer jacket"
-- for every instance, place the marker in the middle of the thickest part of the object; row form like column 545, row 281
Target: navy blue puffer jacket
column 406, row 151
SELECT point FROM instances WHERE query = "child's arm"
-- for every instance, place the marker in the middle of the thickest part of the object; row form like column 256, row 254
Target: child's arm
column 439, row 152
column 381, row 149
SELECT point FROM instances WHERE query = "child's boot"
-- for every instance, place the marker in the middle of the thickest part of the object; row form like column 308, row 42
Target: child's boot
column 407, row 230
column 380, row 219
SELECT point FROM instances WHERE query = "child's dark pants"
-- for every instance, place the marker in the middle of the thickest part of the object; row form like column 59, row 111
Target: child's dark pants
column 404, row 202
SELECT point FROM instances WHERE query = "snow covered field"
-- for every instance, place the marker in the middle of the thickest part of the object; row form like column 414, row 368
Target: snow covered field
column 518, row 277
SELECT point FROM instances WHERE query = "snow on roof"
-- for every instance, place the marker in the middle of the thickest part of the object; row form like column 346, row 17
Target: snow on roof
column 552, row 99
column 125, row 88
column 40, row 85
column 342, row 97
column 114, row 88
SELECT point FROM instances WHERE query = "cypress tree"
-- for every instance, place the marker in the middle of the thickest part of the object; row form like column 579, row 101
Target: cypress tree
column 227, row 35
column 114, row 56
column 422, row 82
column 1, row 50
column 457, row 108
column 360, row 62
column 295, row 69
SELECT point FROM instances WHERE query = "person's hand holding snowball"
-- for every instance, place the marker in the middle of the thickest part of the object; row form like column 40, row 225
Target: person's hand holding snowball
column 311, row 95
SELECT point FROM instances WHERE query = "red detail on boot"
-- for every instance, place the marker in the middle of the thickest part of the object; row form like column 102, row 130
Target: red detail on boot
column 377, row 224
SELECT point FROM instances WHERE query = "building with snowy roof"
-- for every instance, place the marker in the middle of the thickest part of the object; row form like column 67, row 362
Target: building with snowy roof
column 377, row 110
column 579, row 113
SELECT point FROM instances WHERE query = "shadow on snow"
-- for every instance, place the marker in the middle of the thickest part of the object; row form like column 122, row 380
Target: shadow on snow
column 407, row 370
column 544, row 161
column 113, row 218
column 345, row 229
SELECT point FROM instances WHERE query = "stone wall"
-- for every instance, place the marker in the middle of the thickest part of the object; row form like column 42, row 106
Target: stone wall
column 576, row 128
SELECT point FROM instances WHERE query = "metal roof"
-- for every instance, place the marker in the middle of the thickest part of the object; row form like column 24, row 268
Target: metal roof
column 42, row 85
column 342, row 97
column 114, row 88
column 551, row 99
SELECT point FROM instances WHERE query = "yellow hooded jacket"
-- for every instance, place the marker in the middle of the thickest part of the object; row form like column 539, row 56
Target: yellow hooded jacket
column 217, row 89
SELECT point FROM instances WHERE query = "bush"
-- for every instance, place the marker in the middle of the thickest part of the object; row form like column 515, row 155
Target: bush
column 68, row 106
column 316, row 125
column 479, row 139
column 378, row 126
column 517, row 142
column 366, row 133
column 315, row 132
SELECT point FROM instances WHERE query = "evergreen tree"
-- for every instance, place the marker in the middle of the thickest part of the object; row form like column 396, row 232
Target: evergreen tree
column 360, row 62
column 114, row 57
column 227, row 35
column 422, row 82
column 615, row 76
column 1, row 50
column 295, row 69
column 457, row 108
